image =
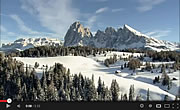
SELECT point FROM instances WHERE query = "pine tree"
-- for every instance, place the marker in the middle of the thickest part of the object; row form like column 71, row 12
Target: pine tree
column 68, row 72
column 106, row 62
column 115, row 90
column 61, row 94
column 99, row 88
column 131, row 93
column 73, row 94
column 163, row 69
column 52, row 93
column 78, row 96
column 148, row 66
column 166, row 79
column 107, row 95
column 67, row 95
column 40, row 92
column 24, row 93
column 166, row 98
column 92, row 79
column 148, row 95
column 18, row 83
column 176, row 99
column 90, row 92
column 122, row 67
column 44, row 85
column 27, row 71
column 125, row 65
column 36, row 65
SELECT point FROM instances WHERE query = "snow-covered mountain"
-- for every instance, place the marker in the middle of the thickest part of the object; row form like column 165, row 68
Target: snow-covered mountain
column 25, row 43
column 77, row 35
column 122, row 38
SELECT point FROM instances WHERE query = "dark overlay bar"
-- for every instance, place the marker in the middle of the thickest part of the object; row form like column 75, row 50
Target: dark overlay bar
column 122, row 105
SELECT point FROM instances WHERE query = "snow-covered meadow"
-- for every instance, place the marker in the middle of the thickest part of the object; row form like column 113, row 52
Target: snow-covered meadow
column 93, row 65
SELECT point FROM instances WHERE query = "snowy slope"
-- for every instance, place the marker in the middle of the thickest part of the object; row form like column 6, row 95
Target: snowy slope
column 89, row 66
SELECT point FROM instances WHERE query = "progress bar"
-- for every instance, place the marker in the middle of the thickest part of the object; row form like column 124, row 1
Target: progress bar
column 3, row 100
column 6, row 101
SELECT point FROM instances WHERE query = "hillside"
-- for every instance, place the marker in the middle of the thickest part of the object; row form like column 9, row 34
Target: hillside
column 89, row 66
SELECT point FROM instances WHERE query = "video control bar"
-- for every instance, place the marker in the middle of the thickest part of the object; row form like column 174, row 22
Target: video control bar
column 122, row 105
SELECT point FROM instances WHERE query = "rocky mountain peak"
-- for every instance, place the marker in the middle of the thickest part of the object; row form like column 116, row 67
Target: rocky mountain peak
column 78, row 27
column 76, row 33
column 123, row 38
column 110, row 30
column 75, row 24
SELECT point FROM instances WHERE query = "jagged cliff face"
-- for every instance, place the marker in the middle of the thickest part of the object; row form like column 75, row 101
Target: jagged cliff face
column 77, row 34
column 119, row 39
column 122, row 38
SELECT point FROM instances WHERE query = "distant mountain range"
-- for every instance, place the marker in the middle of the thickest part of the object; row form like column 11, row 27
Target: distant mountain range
column 122, row 38
column 25, row 43
column 77, row 35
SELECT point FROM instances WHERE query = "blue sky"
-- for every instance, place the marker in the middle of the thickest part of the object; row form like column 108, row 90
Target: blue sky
column 52, row 18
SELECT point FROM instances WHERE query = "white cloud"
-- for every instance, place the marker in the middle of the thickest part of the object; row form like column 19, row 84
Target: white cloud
column 41, row 35
column 21, row 25
column 158, row 33
column 100, row 10
column 147, row 5
column 11, row 34
column 55, row 15
column 28, row 31
column 3, row 29
column 117, row 10
column 91, row 21
column 93, row 17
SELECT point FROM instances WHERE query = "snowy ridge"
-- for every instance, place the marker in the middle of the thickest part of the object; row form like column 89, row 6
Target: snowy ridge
column 134, row 31
column 25, row 43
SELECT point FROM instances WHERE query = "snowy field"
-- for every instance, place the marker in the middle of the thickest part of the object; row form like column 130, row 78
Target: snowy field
column 90, row 65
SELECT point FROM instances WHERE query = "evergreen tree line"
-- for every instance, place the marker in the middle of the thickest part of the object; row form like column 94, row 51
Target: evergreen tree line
column 165, row 56
column 52, row 51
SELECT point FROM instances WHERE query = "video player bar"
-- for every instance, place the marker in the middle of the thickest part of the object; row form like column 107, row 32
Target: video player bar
column 123, row 105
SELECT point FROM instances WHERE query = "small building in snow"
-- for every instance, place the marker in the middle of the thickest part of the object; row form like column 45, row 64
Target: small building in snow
column 117, row 71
